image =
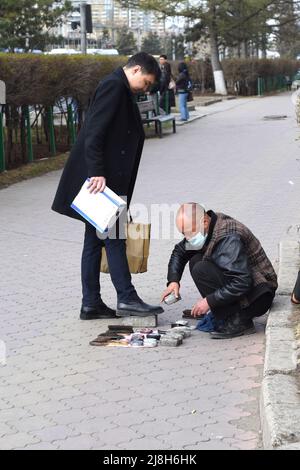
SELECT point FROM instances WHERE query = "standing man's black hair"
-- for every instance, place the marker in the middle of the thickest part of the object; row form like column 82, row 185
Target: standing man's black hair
column 147, row 62
column 163, row 56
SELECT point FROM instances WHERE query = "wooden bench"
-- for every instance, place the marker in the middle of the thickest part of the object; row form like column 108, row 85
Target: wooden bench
column 149, row 114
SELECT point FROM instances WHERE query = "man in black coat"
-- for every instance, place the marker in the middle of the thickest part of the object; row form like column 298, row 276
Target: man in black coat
column 229, row 267
column 108, row 151
column 165, row 95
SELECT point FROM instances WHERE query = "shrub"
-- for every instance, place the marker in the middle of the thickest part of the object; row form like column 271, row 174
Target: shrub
column 34, row 79
column 241, row 74
column 41, row 82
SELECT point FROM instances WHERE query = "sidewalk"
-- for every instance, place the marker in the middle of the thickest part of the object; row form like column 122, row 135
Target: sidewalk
column 209, row 106
column 60, row 393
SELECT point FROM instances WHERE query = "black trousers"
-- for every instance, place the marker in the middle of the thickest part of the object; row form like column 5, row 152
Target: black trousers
column 118, row 268
column 164, row 101
column 208, row 278
column 296, row 290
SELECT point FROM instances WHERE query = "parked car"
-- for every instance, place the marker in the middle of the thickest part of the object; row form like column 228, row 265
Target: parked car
column 102, row 51
column 62, row 51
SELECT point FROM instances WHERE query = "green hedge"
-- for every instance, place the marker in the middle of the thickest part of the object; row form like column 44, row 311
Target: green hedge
column 249, row 69
column 41, row 79
column 240, row 74
column 245, row 72
column 40, row 82
column 36, row 83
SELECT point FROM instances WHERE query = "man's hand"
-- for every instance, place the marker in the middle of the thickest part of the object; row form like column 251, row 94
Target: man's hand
column 200, row 308
column 97, row 184
column 172, row 287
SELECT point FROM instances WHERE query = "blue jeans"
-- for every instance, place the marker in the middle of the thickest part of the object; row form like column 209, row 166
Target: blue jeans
column 184, row 113
column 118, row 268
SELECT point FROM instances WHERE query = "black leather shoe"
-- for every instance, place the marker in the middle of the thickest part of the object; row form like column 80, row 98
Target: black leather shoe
column 101, row 311
column 137, row 308
column 234, row 327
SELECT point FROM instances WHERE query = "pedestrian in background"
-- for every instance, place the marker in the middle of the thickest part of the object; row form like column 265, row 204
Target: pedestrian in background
column 165, row 80
column 183, row 86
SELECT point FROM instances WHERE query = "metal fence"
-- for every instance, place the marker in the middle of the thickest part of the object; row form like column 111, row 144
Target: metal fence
column 270, row 84
column 29, row 133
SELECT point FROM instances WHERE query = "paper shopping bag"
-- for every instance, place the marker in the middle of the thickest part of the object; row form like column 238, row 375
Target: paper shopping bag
column 137, row 248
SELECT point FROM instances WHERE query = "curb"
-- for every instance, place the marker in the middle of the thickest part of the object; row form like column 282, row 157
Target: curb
column 207, row 103
column 280, row 398
column 191, row 119
column 215, row 100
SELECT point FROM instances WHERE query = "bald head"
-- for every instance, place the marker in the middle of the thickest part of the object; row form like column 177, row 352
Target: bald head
column 191, row 218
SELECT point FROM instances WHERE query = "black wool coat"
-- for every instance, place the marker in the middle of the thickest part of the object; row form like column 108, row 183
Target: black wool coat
column 109, row 144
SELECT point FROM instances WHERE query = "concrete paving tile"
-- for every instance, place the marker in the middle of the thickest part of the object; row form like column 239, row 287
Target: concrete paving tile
column 146, row 443
column 94, row 426
column 13, row 441
column 118, row 436
column 33, row 423
column 69, row 417
column 54, row 433
column 83, row 401
column 40, row 446
column 156, row 428
column 184, row 437
column 83, row 442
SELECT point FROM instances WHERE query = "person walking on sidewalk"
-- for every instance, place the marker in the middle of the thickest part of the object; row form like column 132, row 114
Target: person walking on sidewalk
column 229, row 267
column 183, row 84
column 108, row 151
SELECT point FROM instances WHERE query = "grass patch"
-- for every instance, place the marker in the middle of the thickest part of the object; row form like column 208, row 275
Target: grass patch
column 45, row 165
column 31, row 170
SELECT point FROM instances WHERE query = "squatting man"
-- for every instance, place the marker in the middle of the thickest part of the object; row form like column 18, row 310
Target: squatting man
column 229, row 267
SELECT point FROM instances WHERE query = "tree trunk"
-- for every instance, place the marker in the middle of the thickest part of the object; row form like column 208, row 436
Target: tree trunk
column 220, row 85
column 244, row 49
column 264, row 42
column 23, row 135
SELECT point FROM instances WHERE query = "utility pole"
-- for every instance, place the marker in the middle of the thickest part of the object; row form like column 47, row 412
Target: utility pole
column 173, row 39
column 83, row 26
column 113, row 21
column 165, row 38
column 139, row 38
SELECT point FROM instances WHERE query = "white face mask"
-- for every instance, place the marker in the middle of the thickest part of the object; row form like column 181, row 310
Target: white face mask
column 197, row 241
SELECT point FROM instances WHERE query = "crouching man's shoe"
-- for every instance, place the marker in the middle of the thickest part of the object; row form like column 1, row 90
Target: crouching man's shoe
column 137, row 308
column 233, row 327
column 99, row 312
